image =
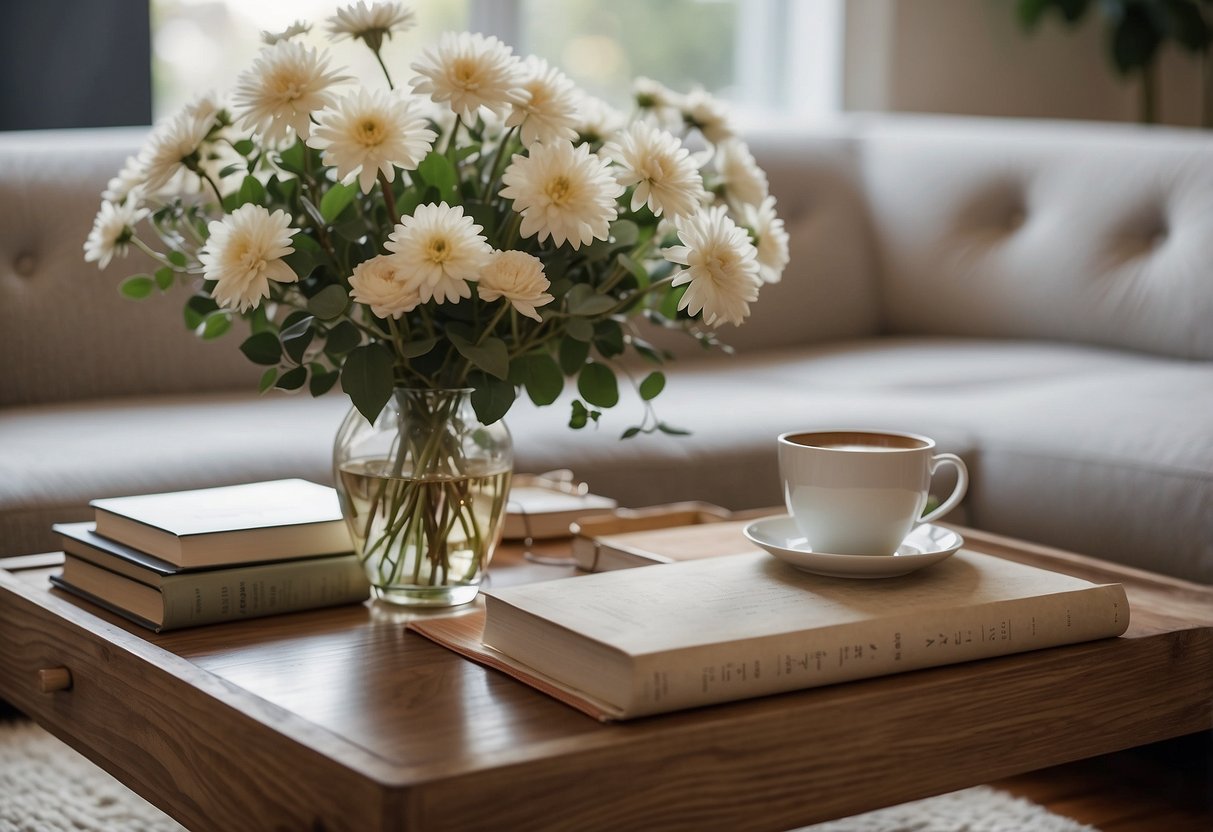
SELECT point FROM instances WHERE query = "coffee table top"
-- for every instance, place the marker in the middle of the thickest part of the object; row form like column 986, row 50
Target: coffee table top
column 340, row 719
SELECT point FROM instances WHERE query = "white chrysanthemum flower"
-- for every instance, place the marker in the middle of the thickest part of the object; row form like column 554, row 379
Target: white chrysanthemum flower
column 659, row 101
column 371, row 24
column 562, row 191
column 550, row 112
column 277, row 95
column 597, row 121
column 113, row 228
column 661, row 169
column 128, row 182
column 367, row 132
column 470, row 71
column 770, row 239
column 721, row 267
column 517, row 277
column 173, row 147
column 379, row 284
column 439, row 250
column 296, row 29
column 244, row 253
column 707, row 114
column 743, row 181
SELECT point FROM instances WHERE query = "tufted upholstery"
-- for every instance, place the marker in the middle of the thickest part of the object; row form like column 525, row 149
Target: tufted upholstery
column 1037, row 296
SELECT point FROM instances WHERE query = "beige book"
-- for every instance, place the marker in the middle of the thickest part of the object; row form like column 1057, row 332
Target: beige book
column 261, row 521
column 642, row 641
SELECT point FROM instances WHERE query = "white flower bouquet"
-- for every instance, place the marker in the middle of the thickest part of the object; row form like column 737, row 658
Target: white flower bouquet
column 492, row 228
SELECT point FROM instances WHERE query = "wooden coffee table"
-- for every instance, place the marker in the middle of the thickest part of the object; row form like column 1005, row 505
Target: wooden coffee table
column 339, row 719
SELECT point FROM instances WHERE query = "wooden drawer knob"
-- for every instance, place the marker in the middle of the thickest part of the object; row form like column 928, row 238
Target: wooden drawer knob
column 51, row 679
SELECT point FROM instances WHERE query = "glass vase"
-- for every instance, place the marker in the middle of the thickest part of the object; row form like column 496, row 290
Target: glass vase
column 424, row 493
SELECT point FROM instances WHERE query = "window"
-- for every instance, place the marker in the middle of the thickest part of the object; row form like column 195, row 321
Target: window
column 769, row 58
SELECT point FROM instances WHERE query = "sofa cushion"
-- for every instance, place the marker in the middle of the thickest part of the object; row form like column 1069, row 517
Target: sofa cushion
column 1068, row 445
column 1100, row 234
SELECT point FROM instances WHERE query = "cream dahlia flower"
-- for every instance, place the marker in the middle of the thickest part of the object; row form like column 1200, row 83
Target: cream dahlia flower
column 597, row 121
column 562, row 191
column 113, row 228
column 128, row 182
column 721, row 267
column 278, row 94
column 380, row 285
column 244, row 253
column 371, row 24
column 770, row 239
column 707, row 114
column 657, row 100
column 296, row 29
column 439, row 250
column 743, row 181
column 517, row 277
column 368, row 132
column 470, row 71
column 172, row 148
column 550, row 110
column 661, row 169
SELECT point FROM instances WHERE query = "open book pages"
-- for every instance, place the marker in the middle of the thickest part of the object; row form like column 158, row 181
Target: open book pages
column 538, row 512
column 642, row 641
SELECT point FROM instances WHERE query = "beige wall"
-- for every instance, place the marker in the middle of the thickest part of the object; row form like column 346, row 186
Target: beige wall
column 971, row 57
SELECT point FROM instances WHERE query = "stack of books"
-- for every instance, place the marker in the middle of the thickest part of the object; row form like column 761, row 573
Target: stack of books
column 187, row 558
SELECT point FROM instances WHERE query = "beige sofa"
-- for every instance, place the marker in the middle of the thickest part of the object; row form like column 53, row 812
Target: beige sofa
column 1037, row 296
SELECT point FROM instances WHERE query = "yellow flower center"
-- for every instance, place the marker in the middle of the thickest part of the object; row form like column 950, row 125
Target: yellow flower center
column 369, row 132
column 463, row 71
column 558, row 190
column 438, row 250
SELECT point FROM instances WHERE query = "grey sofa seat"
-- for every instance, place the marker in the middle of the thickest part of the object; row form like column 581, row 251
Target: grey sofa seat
column 1035, row 296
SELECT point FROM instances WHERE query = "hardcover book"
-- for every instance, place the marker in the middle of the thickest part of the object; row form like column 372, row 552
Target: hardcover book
column 262, row 521
column 635, row 642
column 163, row 597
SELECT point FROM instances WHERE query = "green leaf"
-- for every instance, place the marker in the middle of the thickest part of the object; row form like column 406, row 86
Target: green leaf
column 342, row 338
column 492, row 356
column 321, row 381
column 597, row 385
column 652, row 386
column 630, row 432
column 672, row 431
column 137, row 286
column 669, row 304
column 177, row 258
column 329, row 302
column 491, row 397
column 367, row 378
column 251, row 190
column 244, row 147
column 267, row 379
column 296, row 324
column 580, row 329
column 540, row 375
column 216, row 324
column 196, row 310
column 292, row 158
column 583, row 300
column 164, row 278
column 437, row 171
column 1135, row 41
column 297, row 341
column 336, row 200
column 573, row 355
column 292, row 379
column 608, row 338
column 418, row 348
column 636, row 270
column 579, row 416
column 624, row 233
column 262, row 348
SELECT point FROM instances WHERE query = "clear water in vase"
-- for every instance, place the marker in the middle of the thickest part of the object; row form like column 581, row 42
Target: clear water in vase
column 423, row 541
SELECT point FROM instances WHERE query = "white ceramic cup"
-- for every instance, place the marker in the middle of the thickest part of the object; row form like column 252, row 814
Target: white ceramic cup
column 859, row 492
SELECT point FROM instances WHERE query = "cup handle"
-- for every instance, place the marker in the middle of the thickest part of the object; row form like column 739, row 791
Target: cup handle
column 962, row 484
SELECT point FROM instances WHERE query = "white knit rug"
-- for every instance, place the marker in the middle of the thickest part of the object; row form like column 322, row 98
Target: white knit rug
column 45, row 786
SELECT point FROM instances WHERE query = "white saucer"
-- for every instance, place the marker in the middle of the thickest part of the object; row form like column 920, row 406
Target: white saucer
column 925, row 545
